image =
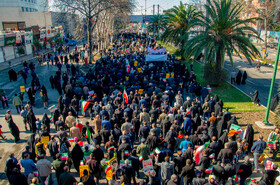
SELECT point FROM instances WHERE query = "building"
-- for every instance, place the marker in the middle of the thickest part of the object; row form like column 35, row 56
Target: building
column 19, row 14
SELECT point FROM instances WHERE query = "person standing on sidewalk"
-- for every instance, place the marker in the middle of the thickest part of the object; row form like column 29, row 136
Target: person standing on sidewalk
column 17, row 103
column 258, row 148
column 232, row 77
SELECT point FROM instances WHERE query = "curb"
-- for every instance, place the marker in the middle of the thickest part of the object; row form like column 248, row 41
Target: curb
column 25, row 60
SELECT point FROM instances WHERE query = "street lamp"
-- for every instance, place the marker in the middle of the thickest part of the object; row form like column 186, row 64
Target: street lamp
column 272, row 84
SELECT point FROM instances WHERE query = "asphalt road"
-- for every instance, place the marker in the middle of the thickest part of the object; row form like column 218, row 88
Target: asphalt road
column 257, row 80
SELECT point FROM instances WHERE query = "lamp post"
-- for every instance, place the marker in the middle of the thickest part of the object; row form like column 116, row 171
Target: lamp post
column 272, row 84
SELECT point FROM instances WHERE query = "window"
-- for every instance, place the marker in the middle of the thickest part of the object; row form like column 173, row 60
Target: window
column 26, row 9
column 22, row 9
column 30, row 10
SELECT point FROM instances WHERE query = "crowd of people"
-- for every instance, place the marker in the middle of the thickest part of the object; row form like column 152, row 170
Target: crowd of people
column 135, row 111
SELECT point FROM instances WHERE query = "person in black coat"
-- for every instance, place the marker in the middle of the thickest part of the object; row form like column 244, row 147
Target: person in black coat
column 123, row 148
column 212, row 130
column 152, row 141
column 31, row 120
column 218, row 108
column 221, row 125
column 269, row 176
column 77, row 155
column 144, row 131
column 244, row 77
column 18, row 178
column 226, row 154
column 204, row 163
column 245, row 170
column 249, row 136
column 238, row 77
column 218, row 170
column 135, row 162
column 255, row 99
column 46, row 121
column 215, row 146
column 274, row 102
column 188, row 172
column 230, row 171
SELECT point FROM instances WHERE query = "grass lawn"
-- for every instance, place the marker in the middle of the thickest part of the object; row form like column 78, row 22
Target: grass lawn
column 235, row 100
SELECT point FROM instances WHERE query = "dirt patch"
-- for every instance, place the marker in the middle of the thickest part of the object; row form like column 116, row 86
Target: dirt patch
column 245, row 118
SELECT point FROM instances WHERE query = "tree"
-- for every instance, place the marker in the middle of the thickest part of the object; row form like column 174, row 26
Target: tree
column 90, row 10
column 179, row 21
column 156, row 24
column 224, row 32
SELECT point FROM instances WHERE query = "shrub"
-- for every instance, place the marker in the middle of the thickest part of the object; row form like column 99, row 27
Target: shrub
column 212, row 76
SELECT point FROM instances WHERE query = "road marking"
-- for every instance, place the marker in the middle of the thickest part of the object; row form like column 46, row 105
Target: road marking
column 251, row 82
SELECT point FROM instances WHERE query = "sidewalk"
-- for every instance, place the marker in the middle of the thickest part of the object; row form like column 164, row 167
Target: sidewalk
column 20, row 60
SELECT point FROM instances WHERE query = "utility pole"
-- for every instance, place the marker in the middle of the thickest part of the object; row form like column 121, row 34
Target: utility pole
column 142, row 13
column 158, row 9
column 153, row 10
column 272, row 84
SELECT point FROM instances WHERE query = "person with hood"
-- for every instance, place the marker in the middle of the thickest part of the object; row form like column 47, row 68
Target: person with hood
column 218, row 108
column 221, row 125
column 274, row 102
column 244, row 77
column 249, row 136
column 12, row 126
column 46, row 121
column 212, row 130
column 77, row 155
column 255, row 99
column 238, row 77
column 31, row 120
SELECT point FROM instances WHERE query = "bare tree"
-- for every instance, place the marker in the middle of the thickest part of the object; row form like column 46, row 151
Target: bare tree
column 91, row 11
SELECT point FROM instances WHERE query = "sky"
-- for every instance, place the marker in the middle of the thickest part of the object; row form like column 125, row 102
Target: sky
column 163, row 5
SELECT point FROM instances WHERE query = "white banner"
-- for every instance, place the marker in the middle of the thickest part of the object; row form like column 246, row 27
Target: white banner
column 151, row 58
column 151, row 50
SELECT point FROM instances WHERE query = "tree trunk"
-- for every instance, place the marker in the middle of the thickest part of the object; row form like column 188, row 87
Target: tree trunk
column 89, row 36
column 218, row 60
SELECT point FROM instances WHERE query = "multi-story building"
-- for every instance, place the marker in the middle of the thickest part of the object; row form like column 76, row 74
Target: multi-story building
column 19, row 14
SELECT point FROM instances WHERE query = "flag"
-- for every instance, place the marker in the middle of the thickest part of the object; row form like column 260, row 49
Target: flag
column 123, row 51
column 81, row 163
column 157, row 150
column 240, row 171
column 251, row 180
column 151, row 154
column 238, row 131
column 225, row 130
column 64, row 157
column 235, row 177
column 88, row 135
column 111, row 148
column 85, row 104
column 91, row 93
column 198, row 153
column 51, row 118
column 82, row 111
column 126, row 152
column 52, row 108
column 209, row 170
column 271, row 145
column 70, row 139
column 36, row 173
column 140, row 157
column 128, row 68
column 212, row 156
column 231, row 133
column 188, row 112
column 235, row 127
column 125, row 95
column 107, row 168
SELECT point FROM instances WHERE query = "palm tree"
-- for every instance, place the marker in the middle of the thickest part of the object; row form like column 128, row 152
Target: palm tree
column 224, row 33
column 179, row 20
column 157, row 23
